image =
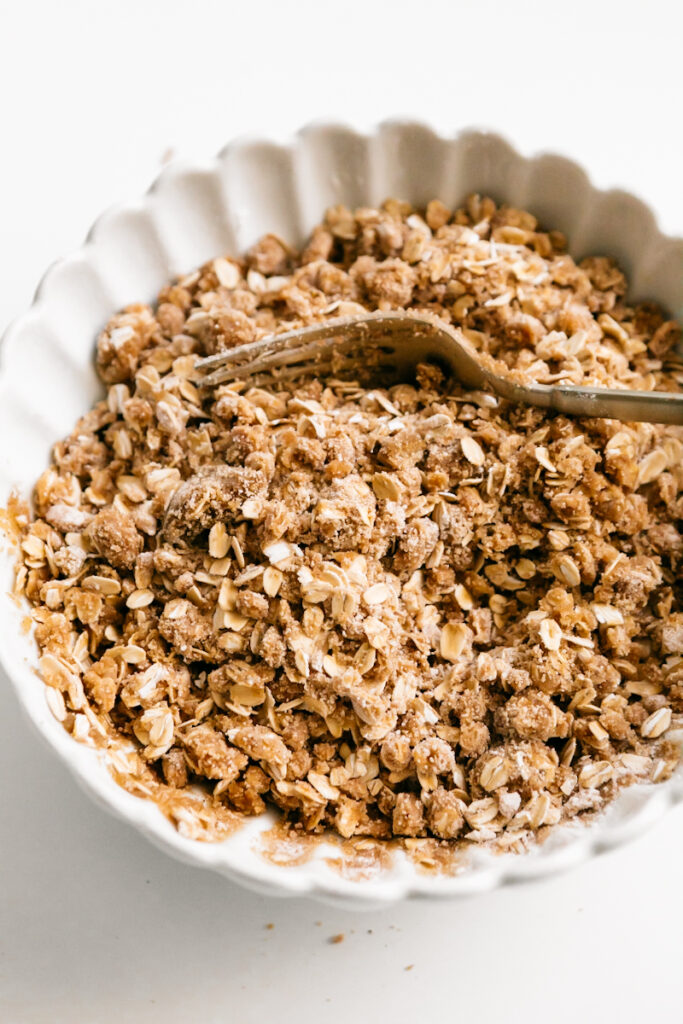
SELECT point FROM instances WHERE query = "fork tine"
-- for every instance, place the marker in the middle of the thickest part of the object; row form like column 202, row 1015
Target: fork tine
column 284, row 357
column 308, row 355
column 370, row 327
column 330, row 365
column 289, row 371
column 237, row 372
column 287, row 339
column 230, row 355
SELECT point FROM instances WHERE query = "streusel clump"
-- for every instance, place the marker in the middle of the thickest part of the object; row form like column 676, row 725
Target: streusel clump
column 414, row 611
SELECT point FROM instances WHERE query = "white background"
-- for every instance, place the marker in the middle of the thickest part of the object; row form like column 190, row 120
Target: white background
column 95, row 925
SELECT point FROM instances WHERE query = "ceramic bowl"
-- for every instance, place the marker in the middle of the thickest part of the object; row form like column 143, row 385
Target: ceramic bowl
column 192, row 213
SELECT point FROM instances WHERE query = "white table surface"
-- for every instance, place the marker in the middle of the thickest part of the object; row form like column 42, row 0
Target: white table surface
column 96, row 926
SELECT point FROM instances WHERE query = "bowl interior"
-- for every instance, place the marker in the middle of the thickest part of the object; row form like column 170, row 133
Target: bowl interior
column 192, row 214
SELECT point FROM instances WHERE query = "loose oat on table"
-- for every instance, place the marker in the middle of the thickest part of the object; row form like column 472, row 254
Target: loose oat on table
column 413, row 612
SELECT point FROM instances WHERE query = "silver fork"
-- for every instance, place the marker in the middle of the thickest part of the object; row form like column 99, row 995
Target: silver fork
column 390, row 345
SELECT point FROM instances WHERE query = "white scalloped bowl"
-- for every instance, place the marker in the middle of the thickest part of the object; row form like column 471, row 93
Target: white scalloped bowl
column 193, row 213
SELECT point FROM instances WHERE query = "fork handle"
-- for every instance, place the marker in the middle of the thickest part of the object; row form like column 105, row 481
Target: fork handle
column 601, row 403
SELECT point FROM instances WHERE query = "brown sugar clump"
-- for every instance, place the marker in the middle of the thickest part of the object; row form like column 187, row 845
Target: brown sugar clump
column 114, row 536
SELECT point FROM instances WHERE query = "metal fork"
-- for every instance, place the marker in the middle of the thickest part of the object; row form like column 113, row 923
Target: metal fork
column 390, row 345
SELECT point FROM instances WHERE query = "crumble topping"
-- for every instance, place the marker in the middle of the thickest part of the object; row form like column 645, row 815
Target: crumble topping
column 417, row 612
